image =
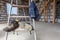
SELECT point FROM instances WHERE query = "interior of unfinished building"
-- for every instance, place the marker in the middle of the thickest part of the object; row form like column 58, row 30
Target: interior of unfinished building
column 29, row 19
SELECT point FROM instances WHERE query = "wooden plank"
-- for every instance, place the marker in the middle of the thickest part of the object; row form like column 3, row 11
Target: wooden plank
column 21, row 6
column 46, row 4
column 45, row 19
column 45, row 9
column 41, row 10
column 3, row 22
column 19, row 16
column 6, row 1
column 1, row 4
column 54, row 10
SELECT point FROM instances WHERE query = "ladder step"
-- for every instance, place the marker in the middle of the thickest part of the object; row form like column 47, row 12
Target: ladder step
column 20, row 16
column 20, row 6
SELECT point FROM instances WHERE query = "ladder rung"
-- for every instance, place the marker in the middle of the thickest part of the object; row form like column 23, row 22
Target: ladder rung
column 20, row 16
column 21, row 6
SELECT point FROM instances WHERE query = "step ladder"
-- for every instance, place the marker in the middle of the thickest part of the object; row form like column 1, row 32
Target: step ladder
column 21, row 17
column 18, row 6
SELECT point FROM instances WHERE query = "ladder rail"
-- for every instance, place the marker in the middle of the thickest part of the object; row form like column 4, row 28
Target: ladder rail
column 10, row 13
column 16, row 5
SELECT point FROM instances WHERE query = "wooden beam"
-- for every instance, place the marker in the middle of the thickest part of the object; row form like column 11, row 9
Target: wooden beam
column 19, row 16
column 54, row 10
column 1, row 4
column 42, row 9
column 46, row 11
column 6, row 1
column 21, row 6
column 46, row 5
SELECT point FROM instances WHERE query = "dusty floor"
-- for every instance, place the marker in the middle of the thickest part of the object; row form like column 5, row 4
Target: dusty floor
column 45, row 31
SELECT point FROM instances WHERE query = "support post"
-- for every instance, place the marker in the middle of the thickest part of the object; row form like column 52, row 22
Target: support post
column 45, row 11
column 54, row 10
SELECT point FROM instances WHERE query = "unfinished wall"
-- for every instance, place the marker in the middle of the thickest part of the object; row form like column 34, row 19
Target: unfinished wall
column 46, row 9
column 46, row 13
column 3, row 13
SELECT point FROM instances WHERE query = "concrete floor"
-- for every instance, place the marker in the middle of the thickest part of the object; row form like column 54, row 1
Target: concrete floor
column 45, row 31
